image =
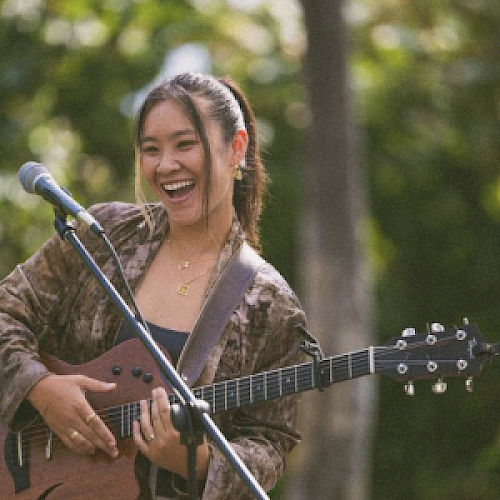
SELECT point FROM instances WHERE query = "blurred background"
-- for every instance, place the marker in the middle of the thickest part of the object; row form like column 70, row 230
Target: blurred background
column 380, row 126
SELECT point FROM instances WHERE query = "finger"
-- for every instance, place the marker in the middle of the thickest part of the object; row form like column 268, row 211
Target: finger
column 147, row 427
column 161, row 405
column 76, row 441
column 96, row 431
column 143, row 432
column 92, row 384
column 139, row 437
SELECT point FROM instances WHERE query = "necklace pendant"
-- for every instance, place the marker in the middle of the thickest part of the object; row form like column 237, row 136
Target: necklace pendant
column 183, row 289
column 184, row 265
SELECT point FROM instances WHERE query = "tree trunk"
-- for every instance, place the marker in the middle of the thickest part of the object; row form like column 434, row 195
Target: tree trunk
column 333, row 460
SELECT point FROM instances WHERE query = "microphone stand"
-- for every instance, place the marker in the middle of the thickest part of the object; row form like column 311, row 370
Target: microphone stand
column 191, row 415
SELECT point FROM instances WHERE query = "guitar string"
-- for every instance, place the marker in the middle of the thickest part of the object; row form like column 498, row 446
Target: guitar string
column 133, row 407
column 40, row 431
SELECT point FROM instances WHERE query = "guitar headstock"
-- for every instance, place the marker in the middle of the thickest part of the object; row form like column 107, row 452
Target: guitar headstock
column 436, row 354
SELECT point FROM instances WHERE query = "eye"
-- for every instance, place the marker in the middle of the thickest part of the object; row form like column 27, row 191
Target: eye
column 149, row 149
column 186, row 144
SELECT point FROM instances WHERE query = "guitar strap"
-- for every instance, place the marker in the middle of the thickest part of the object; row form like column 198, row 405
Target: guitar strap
column 219, row 306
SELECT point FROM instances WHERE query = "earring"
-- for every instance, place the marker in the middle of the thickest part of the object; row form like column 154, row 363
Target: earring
column 238, row 173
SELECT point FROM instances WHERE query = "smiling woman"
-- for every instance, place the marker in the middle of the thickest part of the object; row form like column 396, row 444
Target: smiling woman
column 196, row 147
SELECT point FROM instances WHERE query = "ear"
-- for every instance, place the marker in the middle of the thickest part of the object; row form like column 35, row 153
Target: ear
column 239, row 144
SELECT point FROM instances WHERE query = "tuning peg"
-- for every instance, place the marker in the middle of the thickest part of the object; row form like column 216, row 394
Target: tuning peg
column 439, row 387
column 437, row 328
column 408, row 332
column 410, row 388
column 469, row 384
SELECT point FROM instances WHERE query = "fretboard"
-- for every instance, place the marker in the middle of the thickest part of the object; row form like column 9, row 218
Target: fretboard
column 256, row 388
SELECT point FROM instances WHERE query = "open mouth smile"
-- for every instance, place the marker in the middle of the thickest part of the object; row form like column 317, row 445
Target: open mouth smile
column 178, row 189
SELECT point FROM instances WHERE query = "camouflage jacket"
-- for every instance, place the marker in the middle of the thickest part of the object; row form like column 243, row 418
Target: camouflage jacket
column 53, row 303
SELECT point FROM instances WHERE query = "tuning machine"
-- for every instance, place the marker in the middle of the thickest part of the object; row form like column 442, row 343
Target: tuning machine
column 469, row 384
column 439, row 387
column 410, row 388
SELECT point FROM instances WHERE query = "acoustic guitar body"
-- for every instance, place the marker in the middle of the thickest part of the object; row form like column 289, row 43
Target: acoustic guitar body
column 49, row 470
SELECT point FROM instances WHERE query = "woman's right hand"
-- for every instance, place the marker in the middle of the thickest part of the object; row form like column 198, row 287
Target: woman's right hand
column 61, row 401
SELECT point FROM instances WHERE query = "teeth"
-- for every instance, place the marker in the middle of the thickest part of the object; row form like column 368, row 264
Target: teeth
column 177, row 185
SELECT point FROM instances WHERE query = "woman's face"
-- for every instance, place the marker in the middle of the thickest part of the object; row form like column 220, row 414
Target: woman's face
column 172, row 160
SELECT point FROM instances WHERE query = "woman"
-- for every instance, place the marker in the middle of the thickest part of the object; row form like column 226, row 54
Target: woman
column 196, row 147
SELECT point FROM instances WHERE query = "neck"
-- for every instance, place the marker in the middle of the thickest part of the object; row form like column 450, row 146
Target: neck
column 192, row 242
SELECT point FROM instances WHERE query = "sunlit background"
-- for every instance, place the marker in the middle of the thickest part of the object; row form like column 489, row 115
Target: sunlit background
column 425, row 81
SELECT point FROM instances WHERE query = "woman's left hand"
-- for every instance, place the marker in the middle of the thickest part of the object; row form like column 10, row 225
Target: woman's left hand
column 158, row 440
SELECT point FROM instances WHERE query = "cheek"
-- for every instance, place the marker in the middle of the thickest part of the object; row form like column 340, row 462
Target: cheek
column 147, row 165
column 148, row 169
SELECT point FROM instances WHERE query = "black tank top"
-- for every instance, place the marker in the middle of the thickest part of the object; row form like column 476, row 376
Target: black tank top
column 172, row 340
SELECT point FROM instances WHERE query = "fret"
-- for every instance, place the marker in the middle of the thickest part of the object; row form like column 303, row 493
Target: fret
column 273, row 390
column 361, row 363
column 123, row 420
column 258, row 388
column 114, row 415
column 306, row 378
column 372, row 359
column 219, row 397
column 338, row 368
column 245, row 391
column 122, row 417
column 288, row 381
column 130, row 419
column 232, row 394
column 208, row 395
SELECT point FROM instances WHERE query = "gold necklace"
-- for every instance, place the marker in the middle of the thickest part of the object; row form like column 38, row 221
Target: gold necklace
column 183, row 288
column 184, row 264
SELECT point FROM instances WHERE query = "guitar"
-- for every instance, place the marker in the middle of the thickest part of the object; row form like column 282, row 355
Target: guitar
column 37, row 466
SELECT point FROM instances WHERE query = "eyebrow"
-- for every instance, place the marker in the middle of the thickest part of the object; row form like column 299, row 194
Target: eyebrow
column 174, row 135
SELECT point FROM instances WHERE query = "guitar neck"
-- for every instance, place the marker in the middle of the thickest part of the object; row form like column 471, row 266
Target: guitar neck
column 265, row 386
column 243, row 391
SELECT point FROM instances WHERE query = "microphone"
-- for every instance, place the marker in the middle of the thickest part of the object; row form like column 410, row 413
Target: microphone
column 36, row 179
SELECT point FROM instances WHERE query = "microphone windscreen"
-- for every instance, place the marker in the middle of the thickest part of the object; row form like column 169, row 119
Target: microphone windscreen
column 29, row 173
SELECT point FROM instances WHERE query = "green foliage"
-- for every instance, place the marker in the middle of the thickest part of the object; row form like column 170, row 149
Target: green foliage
column 72, row 71
column 428, row 83
column 427, row 93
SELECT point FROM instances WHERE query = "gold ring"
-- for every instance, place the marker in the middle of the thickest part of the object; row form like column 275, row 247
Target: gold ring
column 73, row 434
column 90, row 418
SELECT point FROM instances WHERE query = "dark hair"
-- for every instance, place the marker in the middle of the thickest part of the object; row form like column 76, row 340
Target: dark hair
column 220, row 94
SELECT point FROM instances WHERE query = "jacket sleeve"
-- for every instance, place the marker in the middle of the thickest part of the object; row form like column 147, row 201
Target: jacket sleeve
column 28, row 299
column 264, row 433
column 49, row 302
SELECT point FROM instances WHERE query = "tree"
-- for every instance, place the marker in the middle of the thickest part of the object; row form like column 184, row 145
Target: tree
column 335, row 450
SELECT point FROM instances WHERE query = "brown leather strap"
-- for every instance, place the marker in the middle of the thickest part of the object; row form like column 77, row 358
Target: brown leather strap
column 222, row 302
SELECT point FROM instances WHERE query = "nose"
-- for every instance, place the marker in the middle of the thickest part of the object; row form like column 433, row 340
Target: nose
column 167, row 163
